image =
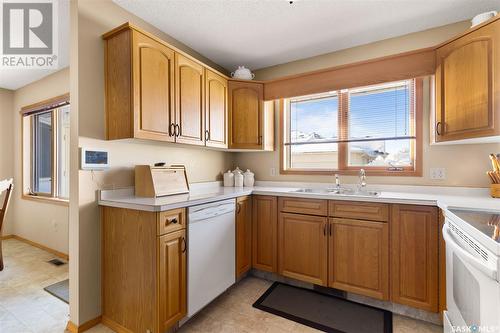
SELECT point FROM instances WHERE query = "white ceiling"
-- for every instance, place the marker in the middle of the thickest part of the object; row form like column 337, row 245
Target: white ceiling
column 262, row 33
column 16, row 78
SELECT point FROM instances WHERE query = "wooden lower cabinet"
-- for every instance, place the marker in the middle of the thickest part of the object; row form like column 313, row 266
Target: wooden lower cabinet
column 414, row 256
column 265, row 233
column 172, row 278
column 243, row 235
column 359, row 257
column 143, row 274
column 302, row 247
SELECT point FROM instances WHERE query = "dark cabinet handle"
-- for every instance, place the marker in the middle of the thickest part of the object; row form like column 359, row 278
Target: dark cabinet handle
column 330, row 229
column 171, row 129
column 324, row 230
column 172, row 221
column 177, row 130
column 185, row 245
column 207, row 135
column 260, row 139
column 438, row 128
column 238, row 208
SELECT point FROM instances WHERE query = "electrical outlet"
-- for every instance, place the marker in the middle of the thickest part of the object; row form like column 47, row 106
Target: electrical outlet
column 272, row 172
column 438, row 173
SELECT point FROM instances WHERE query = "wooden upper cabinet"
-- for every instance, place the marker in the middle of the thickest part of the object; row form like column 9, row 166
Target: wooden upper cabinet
column 189, row 97
column 302, row 247
column 414, row 256
column 359, row 257
column 251, row 120
column 172, row 279
column 215, row 110
column 139, row 87
column 467, row 86
column 264, row 233
column 243, row 235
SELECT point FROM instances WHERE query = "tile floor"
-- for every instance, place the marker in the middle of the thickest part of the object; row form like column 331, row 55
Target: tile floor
column 26, row 308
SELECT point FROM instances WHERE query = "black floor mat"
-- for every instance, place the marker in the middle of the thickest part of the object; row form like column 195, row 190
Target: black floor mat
column 59, row 290
column 323, row 312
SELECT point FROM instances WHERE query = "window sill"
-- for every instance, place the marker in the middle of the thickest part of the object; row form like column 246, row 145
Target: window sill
column 405, row 173
column 48, row 200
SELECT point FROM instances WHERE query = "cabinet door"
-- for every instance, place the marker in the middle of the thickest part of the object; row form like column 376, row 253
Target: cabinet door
column 216, row 110
column 189, row 108
column 414, row 256
column 359, row 257
column 172, row 278
column 243, row 235
column 264, row 238
column 153, row 82
column 303, row 247
column 245, row 115
column 467, row 86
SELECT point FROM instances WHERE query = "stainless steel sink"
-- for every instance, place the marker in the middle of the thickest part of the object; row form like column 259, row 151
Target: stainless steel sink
column 335, row 191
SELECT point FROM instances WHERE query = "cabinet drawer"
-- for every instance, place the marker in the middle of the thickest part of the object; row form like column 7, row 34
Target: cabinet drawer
column 359, row 210
column 303, row 206
column 171, row 220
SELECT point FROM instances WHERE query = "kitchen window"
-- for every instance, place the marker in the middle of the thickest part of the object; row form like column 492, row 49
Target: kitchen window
column 376, row 128
column 46, row 149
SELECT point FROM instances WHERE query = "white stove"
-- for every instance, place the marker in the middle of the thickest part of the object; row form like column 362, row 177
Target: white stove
column 472, row 271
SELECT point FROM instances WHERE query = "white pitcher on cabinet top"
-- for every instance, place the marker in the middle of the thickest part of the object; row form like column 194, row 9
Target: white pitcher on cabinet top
column 242, row 73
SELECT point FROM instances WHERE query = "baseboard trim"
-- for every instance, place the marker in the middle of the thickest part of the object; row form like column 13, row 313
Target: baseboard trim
column 40, row 246
column 83, row 327
column 114, row 325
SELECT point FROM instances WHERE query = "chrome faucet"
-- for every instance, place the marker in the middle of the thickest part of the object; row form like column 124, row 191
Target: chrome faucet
column 362, row 179
column 337, row 182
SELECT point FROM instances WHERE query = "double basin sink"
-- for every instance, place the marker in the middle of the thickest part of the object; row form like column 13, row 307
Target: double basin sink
column 338, row 191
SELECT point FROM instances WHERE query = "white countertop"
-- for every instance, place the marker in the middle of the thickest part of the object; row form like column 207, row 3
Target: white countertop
column 443, row 197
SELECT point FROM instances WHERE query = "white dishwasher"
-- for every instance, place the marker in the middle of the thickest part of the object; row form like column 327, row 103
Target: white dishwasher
column 211, row 252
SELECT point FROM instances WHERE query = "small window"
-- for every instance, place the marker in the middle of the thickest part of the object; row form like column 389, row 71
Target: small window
column 46, row 149
column 372, row 128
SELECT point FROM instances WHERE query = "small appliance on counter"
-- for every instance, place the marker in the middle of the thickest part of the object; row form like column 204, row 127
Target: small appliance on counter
column 495, row 176
column 160, row 180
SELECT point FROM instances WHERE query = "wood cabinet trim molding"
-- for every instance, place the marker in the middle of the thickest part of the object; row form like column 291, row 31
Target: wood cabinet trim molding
column 360, row 210
column 303, row 206
column 130, row 26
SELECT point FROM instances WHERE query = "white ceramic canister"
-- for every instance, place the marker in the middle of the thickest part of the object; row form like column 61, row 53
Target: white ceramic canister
column 228, row 179
column 237, row 170
column 238, row 179
column 248, row 178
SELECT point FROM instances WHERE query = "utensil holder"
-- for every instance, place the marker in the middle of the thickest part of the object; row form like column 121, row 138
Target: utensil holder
column 495, row 190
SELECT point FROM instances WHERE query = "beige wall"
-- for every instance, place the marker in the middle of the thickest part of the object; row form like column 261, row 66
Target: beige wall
column 6, row 148
column 41, row 222
column 465, row 164
column 94, row 19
